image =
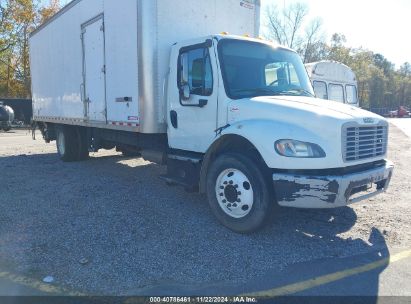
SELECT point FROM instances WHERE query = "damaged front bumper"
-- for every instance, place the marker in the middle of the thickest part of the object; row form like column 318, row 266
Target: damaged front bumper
column 329, row 191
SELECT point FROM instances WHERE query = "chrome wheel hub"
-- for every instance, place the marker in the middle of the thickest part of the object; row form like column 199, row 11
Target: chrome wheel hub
column 234, row 193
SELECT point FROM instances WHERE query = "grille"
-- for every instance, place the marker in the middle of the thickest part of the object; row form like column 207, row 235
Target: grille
column 364, row 142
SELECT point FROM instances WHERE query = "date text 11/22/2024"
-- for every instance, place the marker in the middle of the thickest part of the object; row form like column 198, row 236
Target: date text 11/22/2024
column 239, row 299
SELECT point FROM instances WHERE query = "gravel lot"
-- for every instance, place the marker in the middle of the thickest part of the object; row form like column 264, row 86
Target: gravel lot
column 110, row 226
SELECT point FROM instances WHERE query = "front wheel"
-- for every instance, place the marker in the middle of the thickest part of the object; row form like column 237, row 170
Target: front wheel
column 239, row 193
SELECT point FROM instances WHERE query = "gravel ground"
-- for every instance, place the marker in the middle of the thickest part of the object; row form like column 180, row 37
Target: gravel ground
column 109, row 225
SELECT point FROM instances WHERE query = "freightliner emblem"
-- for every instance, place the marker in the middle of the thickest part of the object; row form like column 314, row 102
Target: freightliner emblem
column 369, row 120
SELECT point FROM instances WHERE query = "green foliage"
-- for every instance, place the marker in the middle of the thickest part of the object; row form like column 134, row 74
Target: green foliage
column 380, row 84
column 18, row 18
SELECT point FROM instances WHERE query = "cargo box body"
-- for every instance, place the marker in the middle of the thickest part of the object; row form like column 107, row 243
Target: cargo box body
column 104, row 63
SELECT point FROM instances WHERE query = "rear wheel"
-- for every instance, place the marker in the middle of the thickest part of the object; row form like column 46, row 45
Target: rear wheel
column 67, row 144
column 239, row 193
column 83, row 152
column 130, row 153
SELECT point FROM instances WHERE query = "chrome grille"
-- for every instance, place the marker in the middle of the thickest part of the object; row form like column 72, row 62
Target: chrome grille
column 363, row 142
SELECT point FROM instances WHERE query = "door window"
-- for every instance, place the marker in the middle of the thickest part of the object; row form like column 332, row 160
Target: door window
column 336, row 92
column 320, row 89
column 200, row 74
column 351, row 94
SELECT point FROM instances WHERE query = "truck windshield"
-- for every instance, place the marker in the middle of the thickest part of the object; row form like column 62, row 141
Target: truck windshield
column 252, row 69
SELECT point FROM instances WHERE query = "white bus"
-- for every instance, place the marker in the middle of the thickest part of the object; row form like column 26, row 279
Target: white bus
column 334, row 81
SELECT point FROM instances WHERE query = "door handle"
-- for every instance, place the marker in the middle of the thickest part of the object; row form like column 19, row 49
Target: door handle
column 174, row 119
column 202, row 103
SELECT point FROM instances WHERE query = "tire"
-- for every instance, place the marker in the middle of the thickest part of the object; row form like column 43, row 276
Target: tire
column 7, row 129
column 130, row 153
column 67, row 144
column 83, row 152
column 246, row 203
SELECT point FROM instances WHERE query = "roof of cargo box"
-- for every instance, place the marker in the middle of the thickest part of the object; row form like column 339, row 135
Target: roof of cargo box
column 68, row 6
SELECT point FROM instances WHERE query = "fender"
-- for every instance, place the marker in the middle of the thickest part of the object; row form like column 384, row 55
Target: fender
column 264, row 133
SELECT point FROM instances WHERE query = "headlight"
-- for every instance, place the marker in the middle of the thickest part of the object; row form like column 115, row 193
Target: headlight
column 298, row 149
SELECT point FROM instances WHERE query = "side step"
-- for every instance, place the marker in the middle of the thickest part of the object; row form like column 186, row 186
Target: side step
column 183, row 170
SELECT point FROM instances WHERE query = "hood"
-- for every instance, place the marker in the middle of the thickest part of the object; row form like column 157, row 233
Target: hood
column 298, row 109
column 321, row 117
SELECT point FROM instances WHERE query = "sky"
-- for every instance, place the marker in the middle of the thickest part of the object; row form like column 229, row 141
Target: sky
column 381, row 26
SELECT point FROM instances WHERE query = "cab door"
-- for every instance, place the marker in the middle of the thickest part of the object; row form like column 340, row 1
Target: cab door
column 192, row 97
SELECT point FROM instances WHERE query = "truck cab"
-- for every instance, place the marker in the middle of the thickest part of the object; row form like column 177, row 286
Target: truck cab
column 246, row 110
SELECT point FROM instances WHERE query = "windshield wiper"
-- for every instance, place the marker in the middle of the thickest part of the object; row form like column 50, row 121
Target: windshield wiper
column 299, row 91
column 257, row 90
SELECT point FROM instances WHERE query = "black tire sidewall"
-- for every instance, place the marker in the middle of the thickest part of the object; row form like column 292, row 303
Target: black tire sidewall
column 263, row 204
column 71, row 144
column 83, row 152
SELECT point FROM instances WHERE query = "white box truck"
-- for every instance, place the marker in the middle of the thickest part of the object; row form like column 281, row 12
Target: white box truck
column 231, row 116
column 335, row 81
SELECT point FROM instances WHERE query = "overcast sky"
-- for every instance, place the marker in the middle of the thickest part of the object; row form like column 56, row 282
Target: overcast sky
column 378, row 25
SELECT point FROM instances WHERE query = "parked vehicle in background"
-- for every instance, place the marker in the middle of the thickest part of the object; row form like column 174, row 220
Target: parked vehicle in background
column 6, row 117
column 334, row 81
column 23, row 110
column 401, row 112
column 231, row 116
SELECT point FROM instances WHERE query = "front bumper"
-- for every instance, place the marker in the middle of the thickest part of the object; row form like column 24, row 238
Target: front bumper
column 308, row 191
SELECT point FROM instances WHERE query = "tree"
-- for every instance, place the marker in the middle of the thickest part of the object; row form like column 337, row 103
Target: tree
column 363, row 67
column 18, row 19
column 382, row 62
column 6, row 27
column 337, row 51
column 313, row 48
column 405, row 69
column 287, row 27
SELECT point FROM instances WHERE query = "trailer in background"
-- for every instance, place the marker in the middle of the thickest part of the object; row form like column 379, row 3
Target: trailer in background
column 6, row 117
column 333, row 80
column 23, row 109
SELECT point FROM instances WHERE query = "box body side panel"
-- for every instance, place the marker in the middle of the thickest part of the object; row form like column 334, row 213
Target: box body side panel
column 121, row 61
column 139, row 35
column 56, row 63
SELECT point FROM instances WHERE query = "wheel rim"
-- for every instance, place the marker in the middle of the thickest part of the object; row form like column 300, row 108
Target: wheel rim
column 60, row 143
column 234, row 193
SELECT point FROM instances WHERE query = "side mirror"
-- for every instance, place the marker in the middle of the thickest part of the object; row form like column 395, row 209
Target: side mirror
column 185, row 92
column 184, row 68
column 184, row 77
